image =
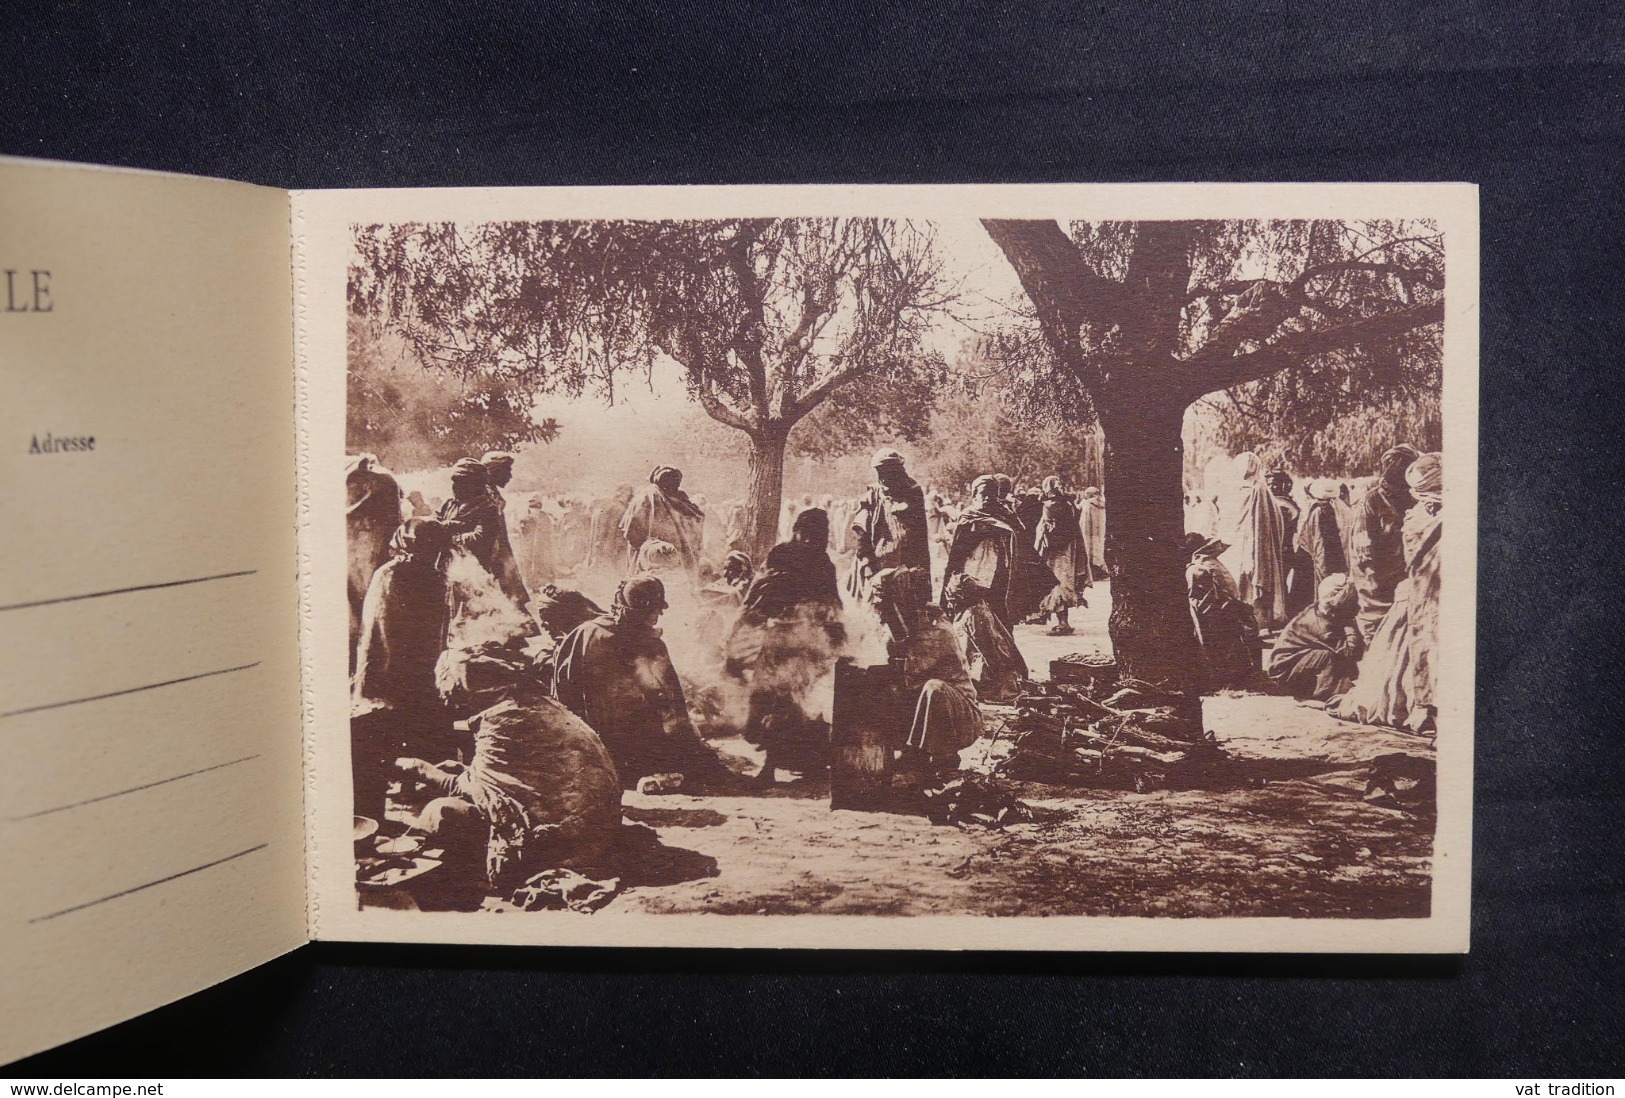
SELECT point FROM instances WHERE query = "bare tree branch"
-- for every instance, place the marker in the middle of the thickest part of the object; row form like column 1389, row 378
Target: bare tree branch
column 1064, row 290
column 1206, row 373
column 720, row 412
column 753, row 326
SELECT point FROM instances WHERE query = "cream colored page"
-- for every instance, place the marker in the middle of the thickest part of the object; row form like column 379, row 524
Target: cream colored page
column 324, row 228
column 148, row 655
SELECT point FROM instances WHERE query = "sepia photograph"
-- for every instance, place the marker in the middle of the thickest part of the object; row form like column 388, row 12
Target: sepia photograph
column 829, row 542
column 893, row 566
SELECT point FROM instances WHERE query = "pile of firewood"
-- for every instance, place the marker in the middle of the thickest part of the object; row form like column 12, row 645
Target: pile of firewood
column 1119, row 735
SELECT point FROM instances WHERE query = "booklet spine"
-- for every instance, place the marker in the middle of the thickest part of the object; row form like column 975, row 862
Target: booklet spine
column 302, row 518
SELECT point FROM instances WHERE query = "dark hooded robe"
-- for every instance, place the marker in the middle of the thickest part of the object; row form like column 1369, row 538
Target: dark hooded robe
column 404, row 620
column 395, row 704
column 785, row 640
column 1379, row 551
column 1300, row 583
column 545, row 787
column 1320, row 540
column 983, row 547
column 1252, row 522
column 561, row 609
column 1225, row 625
column 474, row 517
column 1059, row 542
column 618, row 677
column 892, row 532
column 1318, row 654
column 479, row 531
column 1032, row 579
column 664, row 514
column 468, row 515
column 797, row 575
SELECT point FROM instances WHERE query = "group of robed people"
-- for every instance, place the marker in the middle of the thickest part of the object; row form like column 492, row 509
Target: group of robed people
column 541, row 710
column 1011, row 557
column 1351, row 588
column 1353, row 591
column 599, row 686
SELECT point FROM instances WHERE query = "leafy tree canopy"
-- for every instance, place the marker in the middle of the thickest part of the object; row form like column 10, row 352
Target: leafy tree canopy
column 766, row 318
column 1317, row 317
column 413, row 419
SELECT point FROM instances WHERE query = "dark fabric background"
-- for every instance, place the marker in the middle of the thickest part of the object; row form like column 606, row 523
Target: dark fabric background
column 1522, row 98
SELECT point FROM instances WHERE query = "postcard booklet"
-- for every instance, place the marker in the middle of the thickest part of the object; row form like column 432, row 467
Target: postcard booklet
column 933, row 567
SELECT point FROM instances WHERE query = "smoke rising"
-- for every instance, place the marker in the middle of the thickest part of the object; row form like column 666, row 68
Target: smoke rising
column 481, row 614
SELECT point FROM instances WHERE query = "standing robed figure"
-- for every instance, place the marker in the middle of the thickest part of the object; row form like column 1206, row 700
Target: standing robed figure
column 1379, row 552
column 1320, row 534
column 1059, row 541
column 473, row 516
column 395, row 704
column 983, row 547
column 1252, row 522
column 504, row 564
column 1092, row 521
column 890, row 525
column 478, row 528
column 372, row 513
column 1300, row 590
column 662, row 511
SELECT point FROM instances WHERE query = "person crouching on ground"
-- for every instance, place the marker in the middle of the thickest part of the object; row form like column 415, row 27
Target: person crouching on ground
column 394, row 703
column 785, row 640
column 1318, row 653
column 615, row 673
column 1226, row 627
column 540, row 790
column 946, row 719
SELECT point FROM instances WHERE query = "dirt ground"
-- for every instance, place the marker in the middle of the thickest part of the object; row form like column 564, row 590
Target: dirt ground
column 1280, row 829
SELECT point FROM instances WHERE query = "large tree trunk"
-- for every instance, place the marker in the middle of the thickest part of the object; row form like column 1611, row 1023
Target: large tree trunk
column 1151, row 630
column 766, row 492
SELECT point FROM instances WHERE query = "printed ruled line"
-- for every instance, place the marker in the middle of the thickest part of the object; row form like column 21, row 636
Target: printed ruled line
column 149, row 884
column 132, row 789
column 128, row 590
column 131, row 690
